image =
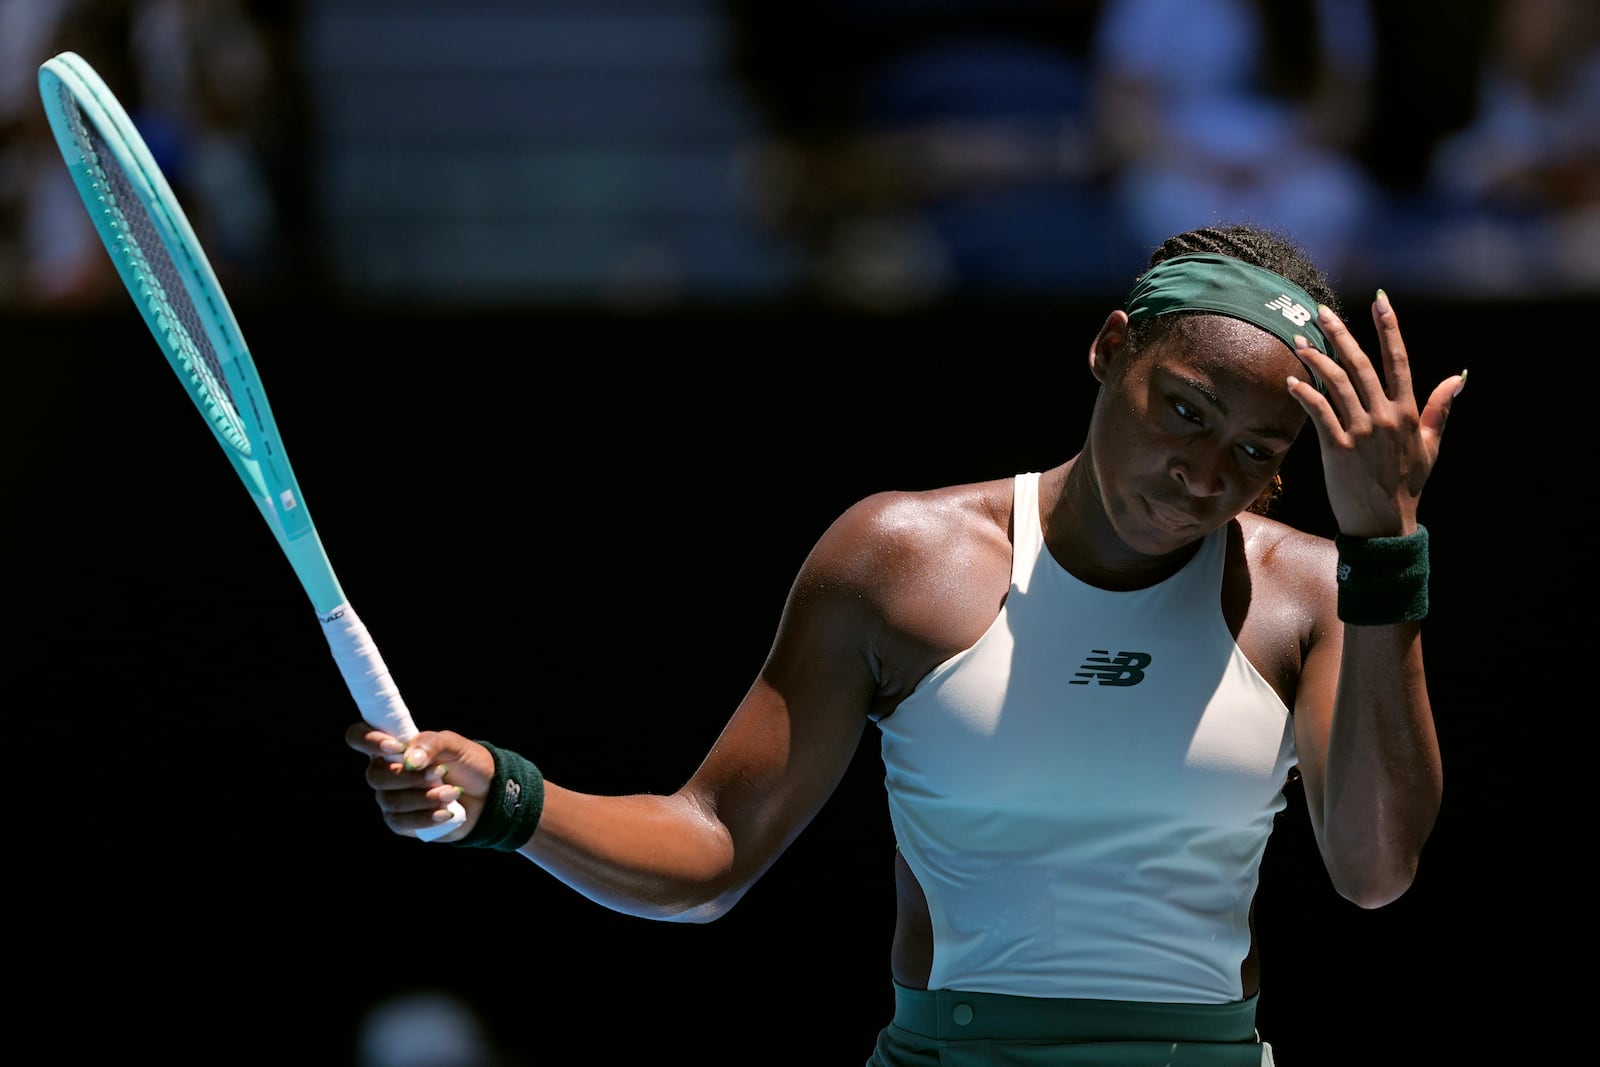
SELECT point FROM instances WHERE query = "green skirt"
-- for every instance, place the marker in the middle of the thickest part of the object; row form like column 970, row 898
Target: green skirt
column 949, row 1028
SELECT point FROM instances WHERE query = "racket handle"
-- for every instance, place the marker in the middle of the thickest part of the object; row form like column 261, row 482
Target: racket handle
column 374, row 690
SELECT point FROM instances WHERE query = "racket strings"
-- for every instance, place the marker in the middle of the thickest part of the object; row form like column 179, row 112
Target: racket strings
column 160, row 281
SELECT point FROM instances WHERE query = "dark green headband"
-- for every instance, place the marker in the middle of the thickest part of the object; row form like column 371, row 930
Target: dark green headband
column 1223, row 285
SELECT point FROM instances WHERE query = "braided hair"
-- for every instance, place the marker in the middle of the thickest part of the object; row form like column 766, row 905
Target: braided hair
column 1257, row 245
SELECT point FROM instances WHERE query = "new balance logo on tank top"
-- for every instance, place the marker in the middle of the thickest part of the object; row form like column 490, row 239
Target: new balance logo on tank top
column 1085, row 794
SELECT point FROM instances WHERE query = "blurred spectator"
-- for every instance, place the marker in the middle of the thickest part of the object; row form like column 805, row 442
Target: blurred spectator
column 1217, row 110
column 927, row 148
column 1514, row 194
column 50, row 256
column 425, row 1028
column 204, row 82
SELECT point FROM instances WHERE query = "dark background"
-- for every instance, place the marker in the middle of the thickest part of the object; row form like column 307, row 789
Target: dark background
column 573, row 374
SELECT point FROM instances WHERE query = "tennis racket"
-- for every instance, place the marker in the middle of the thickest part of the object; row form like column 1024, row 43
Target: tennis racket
column 160, row 261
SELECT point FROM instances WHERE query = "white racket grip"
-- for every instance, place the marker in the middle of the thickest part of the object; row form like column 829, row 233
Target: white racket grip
column 375, row 692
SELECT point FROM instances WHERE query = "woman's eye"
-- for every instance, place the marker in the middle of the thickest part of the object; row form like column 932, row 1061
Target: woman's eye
column 1185, row 411
column 1256, row 452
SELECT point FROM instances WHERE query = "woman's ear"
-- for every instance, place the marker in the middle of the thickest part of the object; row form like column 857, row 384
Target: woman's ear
column 1108, row 345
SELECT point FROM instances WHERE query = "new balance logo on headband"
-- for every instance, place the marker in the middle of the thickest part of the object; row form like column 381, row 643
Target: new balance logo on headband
column 1102, row 668
column 1292, row 310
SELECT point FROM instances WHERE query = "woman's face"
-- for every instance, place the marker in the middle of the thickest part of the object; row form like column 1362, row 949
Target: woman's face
column 1188, row 432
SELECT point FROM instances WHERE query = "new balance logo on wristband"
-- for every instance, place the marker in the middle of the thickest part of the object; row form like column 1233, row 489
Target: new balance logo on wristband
column 511, row 797
column 1100, row 667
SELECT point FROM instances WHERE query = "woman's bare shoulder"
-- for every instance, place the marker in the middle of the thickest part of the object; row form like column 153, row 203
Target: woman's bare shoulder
column 914, row 509
column 1276, row 543
column 897, row 549
column 1289, row 562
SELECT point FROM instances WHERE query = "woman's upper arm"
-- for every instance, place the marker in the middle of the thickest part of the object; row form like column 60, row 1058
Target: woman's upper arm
column 1323, row 638
column 800, row 723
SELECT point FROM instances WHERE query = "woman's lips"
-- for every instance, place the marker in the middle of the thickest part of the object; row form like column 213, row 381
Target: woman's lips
column 1170, row 518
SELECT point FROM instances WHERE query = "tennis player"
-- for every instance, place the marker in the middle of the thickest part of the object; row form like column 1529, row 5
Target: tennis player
column 1092, row 685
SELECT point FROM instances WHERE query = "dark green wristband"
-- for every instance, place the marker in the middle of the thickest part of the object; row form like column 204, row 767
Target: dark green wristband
column 511, row 810
column 1383, row 580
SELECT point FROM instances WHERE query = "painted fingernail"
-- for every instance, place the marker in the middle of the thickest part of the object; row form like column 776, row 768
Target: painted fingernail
column 1300, row 341
column 1462, row 384
column 415, row 758
column 1383, row 301
column 391, row 746
column 1325, row 313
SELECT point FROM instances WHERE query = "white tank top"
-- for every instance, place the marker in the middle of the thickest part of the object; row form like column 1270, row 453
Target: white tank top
column 1085, row 794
